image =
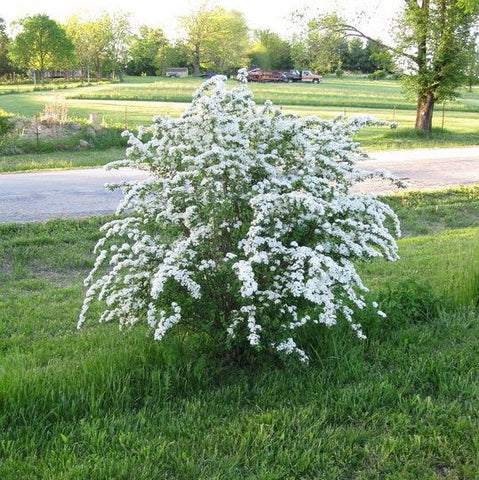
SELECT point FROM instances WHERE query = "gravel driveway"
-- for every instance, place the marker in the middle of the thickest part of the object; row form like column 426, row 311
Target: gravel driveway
column 26, row 197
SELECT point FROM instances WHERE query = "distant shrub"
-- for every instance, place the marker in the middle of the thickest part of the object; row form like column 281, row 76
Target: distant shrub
column 5, row 123
column 378, row 75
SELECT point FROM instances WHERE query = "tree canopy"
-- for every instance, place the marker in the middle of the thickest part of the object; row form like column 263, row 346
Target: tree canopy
column 5, row 66
column 216, row 38
column 41, row 44
column 432, row 39
column 145, row 51
column 437, row 33
column 269, row 50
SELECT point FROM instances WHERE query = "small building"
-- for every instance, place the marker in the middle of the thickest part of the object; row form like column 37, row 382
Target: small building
column 177, row 72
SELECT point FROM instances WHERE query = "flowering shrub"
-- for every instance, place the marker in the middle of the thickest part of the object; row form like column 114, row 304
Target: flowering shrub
column 246, row 228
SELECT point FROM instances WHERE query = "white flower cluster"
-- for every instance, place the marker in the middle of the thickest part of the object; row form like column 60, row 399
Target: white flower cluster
column 247, row 228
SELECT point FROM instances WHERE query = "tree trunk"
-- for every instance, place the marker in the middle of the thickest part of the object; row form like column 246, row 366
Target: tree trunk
column 196, row 60
column 425, row 109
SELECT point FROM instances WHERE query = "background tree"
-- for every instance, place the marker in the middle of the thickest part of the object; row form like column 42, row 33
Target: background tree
column 117, row 26
column 228, row 47
column 432, row 38
column 354, row 56
column 437, row 32
column 316, row 47
column 174, row 54
column 102, row 44
column 87, row 38
column 472, row 63
column 378, row 57
column 5, row 64
column 269, row 50
column 144, row 51
column 216, row 38
column 41, row 44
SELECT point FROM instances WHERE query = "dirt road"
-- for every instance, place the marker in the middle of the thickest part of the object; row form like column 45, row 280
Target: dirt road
column 26, row 197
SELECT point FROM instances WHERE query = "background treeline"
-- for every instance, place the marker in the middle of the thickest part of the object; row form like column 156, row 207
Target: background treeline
column 210, row 40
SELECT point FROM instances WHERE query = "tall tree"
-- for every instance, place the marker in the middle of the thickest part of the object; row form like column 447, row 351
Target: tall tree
column 216, row 38
column 432, row 38
column 5, row 65
column 315, row 46
column 41, row 44
column 118, row 30
column 354, row 56
column 472, row 63
column 144, row 51
column 102, row 43
column 269, row 50
column 89, row 40
column 437, row 32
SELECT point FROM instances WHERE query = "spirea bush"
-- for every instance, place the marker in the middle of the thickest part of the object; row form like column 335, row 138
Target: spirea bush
column 246, row 229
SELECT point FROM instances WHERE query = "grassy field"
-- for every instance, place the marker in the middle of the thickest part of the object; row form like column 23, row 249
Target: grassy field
column 103, row 404
column 349, row 91
column 138, row 99
column 14, row 88
column 56, row 160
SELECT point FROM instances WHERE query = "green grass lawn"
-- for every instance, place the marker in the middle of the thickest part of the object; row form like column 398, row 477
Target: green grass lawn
column 103, row 404
column 138, row 99
column 346, row 92
column 56, row 160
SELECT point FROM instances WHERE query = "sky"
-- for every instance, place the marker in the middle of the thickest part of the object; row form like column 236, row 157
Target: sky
column 374, row 16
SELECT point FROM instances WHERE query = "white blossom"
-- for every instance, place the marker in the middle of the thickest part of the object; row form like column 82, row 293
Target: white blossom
column 247, row 225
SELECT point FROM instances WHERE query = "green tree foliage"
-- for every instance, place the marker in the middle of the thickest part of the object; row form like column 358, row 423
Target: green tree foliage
column 145, row 51
column 102, row 44
column 354, row 56
column 269, row 50
column 89, row 40
column 432, row 39
column 216, row 38
column 378, row 57
column 324, row 45
column 119, row 36
column 316, row 47
column 41, row 44
column 437, row 32
column 173, row 55
column 472, row 63
column 5, row 64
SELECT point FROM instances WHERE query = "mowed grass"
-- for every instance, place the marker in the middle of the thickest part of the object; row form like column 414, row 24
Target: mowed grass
column 59, row 160
column 350, row 91
column 135, row 101
column 460, row 128
column 104, row 404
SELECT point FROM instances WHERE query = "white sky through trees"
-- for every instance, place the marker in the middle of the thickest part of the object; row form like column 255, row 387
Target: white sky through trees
column 374, row 16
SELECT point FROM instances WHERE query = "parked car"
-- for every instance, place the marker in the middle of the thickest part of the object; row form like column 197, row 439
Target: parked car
column 302, row 76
